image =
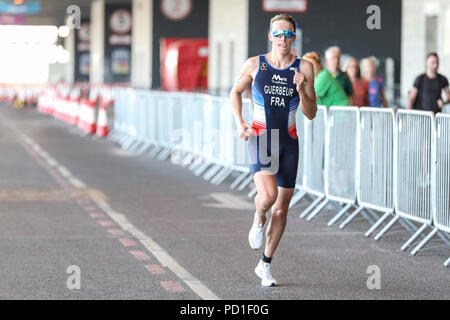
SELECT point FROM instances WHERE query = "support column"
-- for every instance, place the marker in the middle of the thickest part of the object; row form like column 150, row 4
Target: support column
column 97, row 42
column 142, row 44
column 228, row 42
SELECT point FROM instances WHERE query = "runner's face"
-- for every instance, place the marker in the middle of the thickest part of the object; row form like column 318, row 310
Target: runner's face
column 282, row 44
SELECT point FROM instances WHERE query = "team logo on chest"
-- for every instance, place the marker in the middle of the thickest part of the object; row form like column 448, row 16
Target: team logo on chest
column 279, row 80
column 263, row 66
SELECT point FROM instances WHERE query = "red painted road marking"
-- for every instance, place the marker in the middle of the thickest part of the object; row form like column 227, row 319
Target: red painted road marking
column 83, row 202
column 97, row 215
column 140, row 255
column 105, row 223
column 172, row 286
column 127, row 242
column 155, row 269
column 116, row 232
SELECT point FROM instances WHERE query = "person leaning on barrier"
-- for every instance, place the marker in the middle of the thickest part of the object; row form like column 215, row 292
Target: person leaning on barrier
column 281, row 82
column 426, row 93
column 360, row 85
column 376, row 84
column 333, row 62
column 328, row 90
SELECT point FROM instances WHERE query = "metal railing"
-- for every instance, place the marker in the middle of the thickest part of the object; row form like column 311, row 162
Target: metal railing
column 366, row 159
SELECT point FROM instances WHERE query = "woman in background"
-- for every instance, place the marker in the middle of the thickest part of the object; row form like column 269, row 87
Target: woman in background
column 360, row 85
column 376, row 84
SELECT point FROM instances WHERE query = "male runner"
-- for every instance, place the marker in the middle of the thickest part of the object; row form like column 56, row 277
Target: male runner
column 279, row 81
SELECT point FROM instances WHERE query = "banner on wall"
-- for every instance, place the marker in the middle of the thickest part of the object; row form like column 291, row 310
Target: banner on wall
column 82, row 52
column 285, row 5
column 118, row 22
column 184, row 64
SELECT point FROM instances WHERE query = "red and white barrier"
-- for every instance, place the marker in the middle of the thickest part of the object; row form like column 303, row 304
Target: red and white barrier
column 106, row 101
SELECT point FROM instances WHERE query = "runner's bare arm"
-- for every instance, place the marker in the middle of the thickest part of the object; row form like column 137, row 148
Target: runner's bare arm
column 245, row 79
column 307, row 93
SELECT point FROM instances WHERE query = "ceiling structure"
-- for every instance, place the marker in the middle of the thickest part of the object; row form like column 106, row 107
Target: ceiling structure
column 53, row 12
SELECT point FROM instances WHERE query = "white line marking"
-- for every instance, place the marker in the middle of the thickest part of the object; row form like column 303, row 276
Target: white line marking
column 160, row 254
column 229, row 201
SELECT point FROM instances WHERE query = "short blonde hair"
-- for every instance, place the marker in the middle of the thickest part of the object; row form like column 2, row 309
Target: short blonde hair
column 283, row 17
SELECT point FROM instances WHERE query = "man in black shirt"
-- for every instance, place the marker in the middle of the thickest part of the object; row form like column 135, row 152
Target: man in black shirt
column 426, row 93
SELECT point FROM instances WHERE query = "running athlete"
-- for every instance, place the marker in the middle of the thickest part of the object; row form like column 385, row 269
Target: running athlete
column 280, row 81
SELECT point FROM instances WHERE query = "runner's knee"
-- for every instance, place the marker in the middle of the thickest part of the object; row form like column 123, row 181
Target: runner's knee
column 267, row 199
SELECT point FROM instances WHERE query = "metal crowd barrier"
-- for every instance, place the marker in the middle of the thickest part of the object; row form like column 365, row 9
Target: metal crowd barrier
column 441, row 214
column 311, row 177
column 196, row 130
column 414, row 174
column 341, row 145
column 366, row 159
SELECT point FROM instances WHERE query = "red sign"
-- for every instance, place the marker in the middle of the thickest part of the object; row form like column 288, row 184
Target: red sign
column 285, row 5
column 184, row 64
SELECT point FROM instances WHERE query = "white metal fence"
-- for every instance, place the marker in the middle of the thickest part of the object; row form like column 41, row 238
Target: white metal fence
column 366, row 159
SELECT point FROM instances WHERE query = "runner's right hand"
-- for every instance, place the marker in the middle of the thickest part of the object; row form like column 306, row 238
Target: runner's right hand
column 246, row 131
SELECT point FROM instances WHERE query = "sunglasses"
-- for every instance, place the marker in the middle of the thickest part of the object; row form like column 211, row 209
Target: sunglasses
column 287, row 33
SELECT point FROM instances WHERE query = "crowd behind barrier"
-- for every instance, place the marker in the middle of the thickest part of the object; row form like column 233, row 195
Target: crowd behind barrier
column 378, row 163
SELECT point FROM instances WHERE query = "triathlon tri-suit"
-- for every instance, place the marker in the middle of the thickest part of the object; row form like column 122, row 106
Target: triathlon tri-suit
column 275, row 100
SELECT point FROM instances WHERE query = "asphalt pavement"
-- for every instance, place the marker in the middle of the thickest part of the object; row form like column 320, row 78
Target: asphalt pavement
column 82, row 219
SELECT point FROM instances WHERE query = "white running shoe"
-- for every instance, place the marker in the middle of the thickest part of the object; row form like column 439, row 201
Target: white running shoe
column 263, row 271
column 256, row 236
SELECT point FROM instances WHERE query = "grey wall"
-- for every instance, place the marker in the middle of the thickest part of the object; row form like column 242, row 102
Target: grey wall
column 193, row 26
column 342, row 23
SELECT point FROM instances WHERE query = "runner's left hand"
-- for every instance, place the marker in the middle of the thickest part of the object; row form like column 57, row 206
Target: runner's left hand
column 299, row 80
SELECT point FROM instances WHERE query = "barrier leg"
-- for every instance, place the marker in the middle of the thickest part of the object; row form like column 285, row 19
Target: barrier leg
column 317, row 210
column 252, row 193
column 196, row 163
column 238, row 180
column 128, row 143
column 339, row 215
column 414, row 237
column 444, row 237
column 220, row 174
column 187, row 161
column 211, row 172
column 447, row 263
column 202, row 169
column 408, row 225
column 225, row 175
column 387, row 227
column 424, row 241
column 296, row 198
column 124, row 139
column 134, row 146
column 155, row 152
column 144, row 148
column 378, row 223
column 246, row 183
column 350, row 218
column 311, row 206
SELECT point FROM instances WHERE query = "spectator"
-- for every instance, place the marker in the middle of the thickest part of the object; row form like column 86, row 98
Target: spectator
column 333, row 62
column 328, row 90
column 376, row 84
column 426, row 93
column 360, row 85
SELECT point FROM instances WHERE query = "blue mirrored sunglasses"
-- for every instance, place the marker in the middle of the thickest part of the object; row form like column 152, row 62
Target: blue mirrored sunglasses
column 280, row 33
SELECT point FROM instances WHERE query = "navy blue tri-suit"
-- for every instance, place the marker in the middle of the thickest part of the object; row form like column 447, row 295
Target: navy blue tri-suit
column 275, row 100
